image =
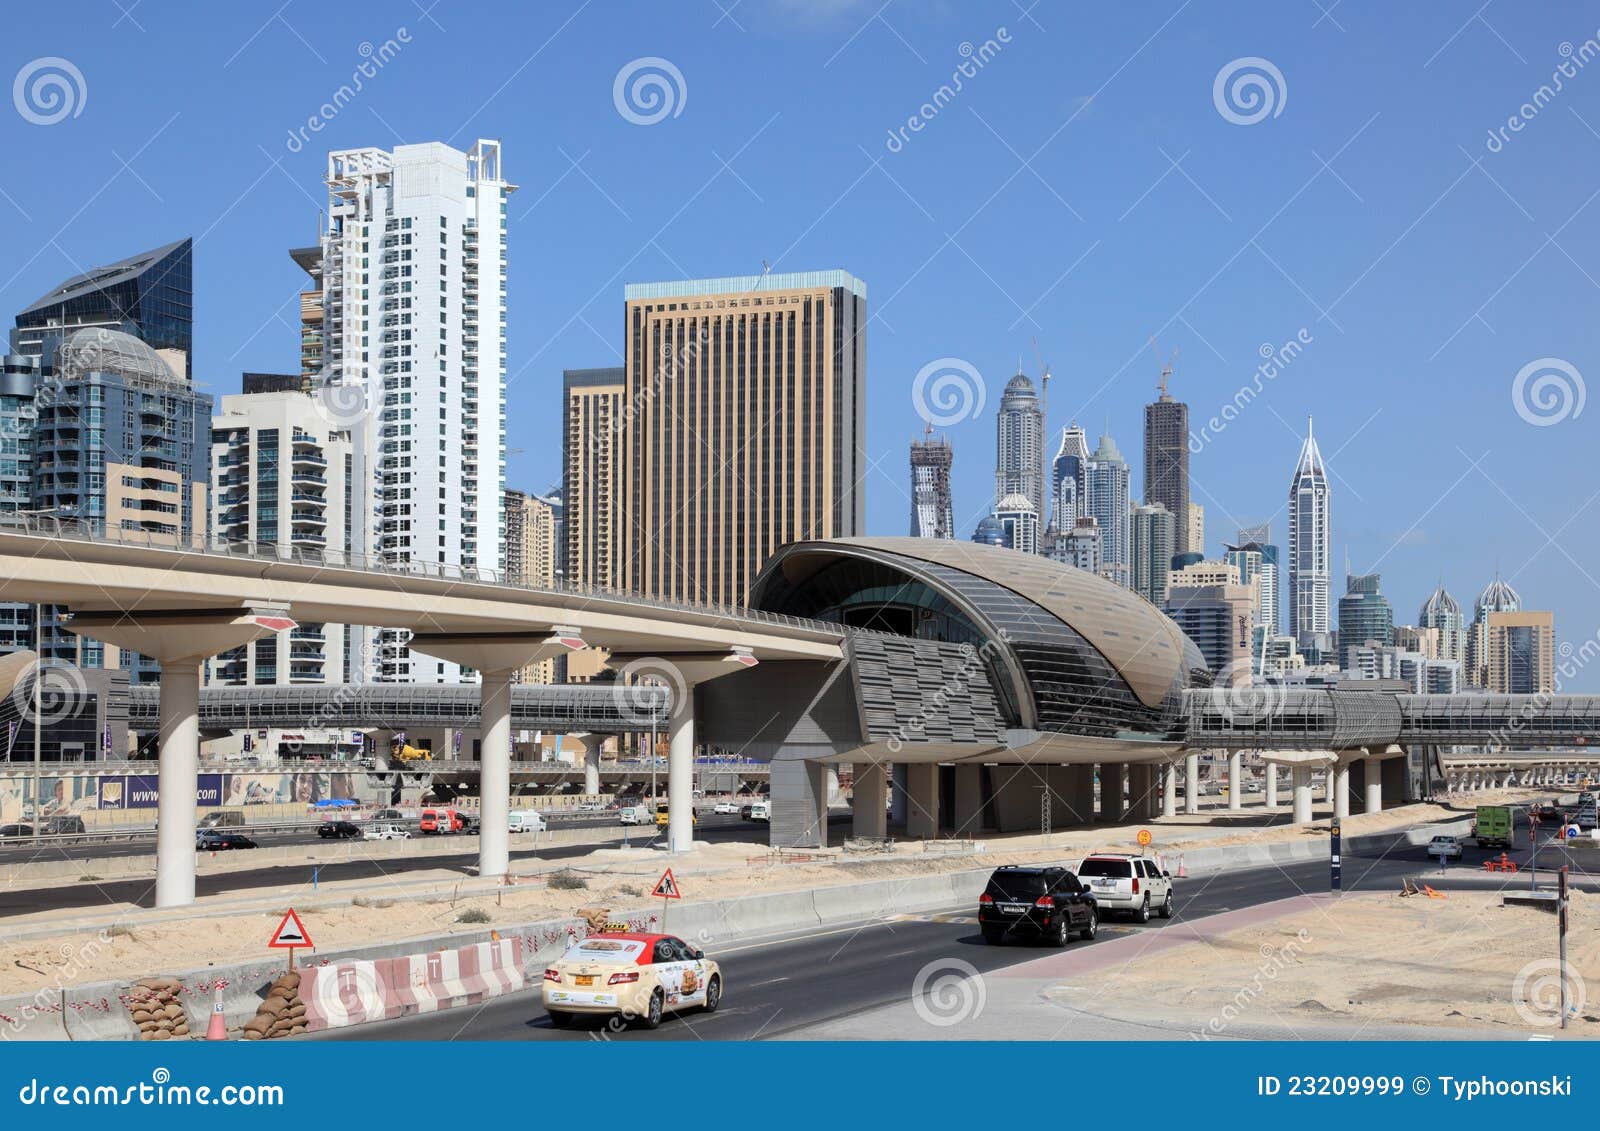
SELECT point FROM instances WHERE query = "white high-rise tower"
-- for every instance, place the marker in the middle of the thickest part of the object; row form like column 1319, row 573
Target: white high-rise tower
column 413, row 279
column 1310, row 549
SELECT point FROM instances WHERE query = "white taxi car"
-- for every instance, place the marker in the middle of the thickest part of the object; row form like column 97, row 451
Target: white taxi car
column 636, row 976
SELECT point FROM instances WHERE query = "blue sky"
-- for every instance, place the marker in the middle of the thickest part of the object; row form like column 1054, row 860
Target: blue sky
column 1084, row 189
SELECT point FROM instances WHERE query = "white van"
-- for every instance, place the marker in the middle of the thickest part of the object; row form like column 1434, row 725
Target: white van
column 635, row 815
column 527, row 821
column 761, row 811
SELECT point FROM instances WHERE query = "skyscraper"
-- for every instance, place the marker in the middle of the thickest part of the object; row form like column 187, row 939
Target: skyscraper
column 1497, row 597
column 1259, row 538
column 932, row 515
column 1365, row 616
column 121, row 444
column 1067, row 470
column 1019, row 444
column 1521, row 647
column 591, row 488
column 1441, row 612
column 1017, row 516
column 1151, row 533
column 530, row 557
column 1217, row 619
column 1310, row 549
column 19, row 380
column 1166, row 460
column 1106, row 491
column 149, row 296
column 1197, row 529
column 1259, row 576
column 745, row 429
column 280, row 471
column 413, row 316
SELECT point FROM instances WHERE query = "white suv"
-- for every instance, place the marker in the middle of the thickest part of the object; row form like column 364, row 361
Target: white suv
column 1127, row 883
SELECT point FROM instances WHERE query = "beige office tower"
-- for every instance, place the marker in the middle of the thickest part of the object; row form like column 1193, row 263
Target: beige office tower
column 591, row 486
column 745, row 426
column 1521, row 649
column 531, row 558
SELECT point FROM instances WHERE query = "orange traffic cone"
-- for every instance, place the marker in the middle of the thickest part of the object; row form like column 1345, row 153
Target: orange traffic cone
column 217, row 1029
column 1183, row 873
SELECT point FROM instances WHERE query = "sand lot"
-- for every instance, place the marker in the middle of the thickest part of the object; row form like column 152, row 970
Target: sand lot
column 1368, row 959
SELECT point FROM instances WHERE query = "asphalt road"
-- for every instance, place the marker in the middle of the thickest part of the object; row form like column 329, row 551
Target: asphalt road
column 143, row 844
column 141, row 890
column 776, row 987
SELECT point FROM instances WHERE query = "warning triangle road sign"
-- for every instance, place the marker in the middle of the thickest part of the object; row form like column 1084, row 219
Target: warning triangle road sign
column 290, row 933
column 666, row 886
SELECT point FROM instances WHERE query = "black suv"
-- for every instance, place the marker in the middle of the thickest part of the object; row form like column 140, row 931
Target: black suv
column 337, row 830
column 1047, row 903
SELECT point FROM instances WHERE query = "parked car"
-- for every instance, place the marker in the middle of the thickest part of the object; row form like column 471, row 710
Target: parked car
column 1445, row 848
column 212, row 841
column 1128, row 883
column 386, row 831
column 1046, row 903
column 338, row 830
column 726, row 807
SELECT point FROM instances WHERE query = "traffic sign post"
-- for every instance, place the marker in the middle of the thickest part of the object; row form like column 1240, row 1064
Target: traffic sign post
column 1144, row 838
column 667, row 888
column 1533, row 839
column 1562, row 896
column 1333, row 855
column 290, row 934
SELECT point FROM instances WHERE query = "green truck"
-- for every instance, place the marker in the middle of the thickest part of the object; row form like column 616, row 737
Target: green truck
column 1492, row 826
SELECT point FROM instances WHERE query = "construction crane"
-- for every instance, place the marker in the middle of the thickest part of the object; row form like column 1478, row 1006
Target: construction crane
column 1166, row 366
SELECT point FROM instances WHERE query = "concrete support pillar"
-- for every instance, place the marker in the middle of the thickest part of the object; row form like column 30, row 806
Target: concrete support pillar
column 1080, row 778
column 1169, row 789
column 1235, row 781
column 1270, row 770
column 897, row 793
column 1113, row 783
column 494, row 791
column 922, row 799
column 1141, row 791
column 1339, row 775
column 968, row 800
column 680, row 777
column 1191, row 784
column 591, row 770
column 1374, row 785
column 180, row 777
column 867, row 814
column 1302, row 795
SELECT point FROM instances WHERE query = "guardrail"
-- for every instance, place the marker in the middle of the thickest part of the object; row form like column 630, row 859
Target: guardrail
column 77, row 530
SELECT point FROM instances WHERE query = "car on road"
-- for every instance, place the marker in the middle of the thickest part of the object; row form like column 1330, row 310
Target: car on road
column 727, row 807
column 1493, row 826
column 1445, row 848
column 338, row 830
column 385, row 831
column 439, row 821
column 1551, row 815
column 634, row 815
column 637, row 977
column 1045, row 903
column 15, row 832
column 526, row 821
column 663, row 815
column 761, row 811
column 1128, row 883
column 211, row 841
column 590, row 807
column 746, row 810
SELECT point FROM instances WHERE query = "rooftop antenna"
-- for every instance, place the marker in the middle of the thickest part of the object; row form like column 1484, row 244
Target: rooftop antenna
column 1045, row 486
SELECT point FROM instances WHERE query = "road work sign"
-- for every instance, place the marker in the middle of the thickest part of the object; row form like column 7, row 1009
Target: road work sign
column 667, row 887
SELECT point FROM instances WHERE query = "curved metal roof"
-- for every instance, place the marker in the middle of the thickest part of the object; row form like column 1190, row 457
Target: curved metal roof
column 97, row 349
column 1132, row 634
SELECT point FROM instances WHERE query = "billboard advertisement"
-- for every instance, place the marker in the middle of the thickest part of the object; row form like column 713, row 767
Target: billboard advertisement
column 142, row 791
